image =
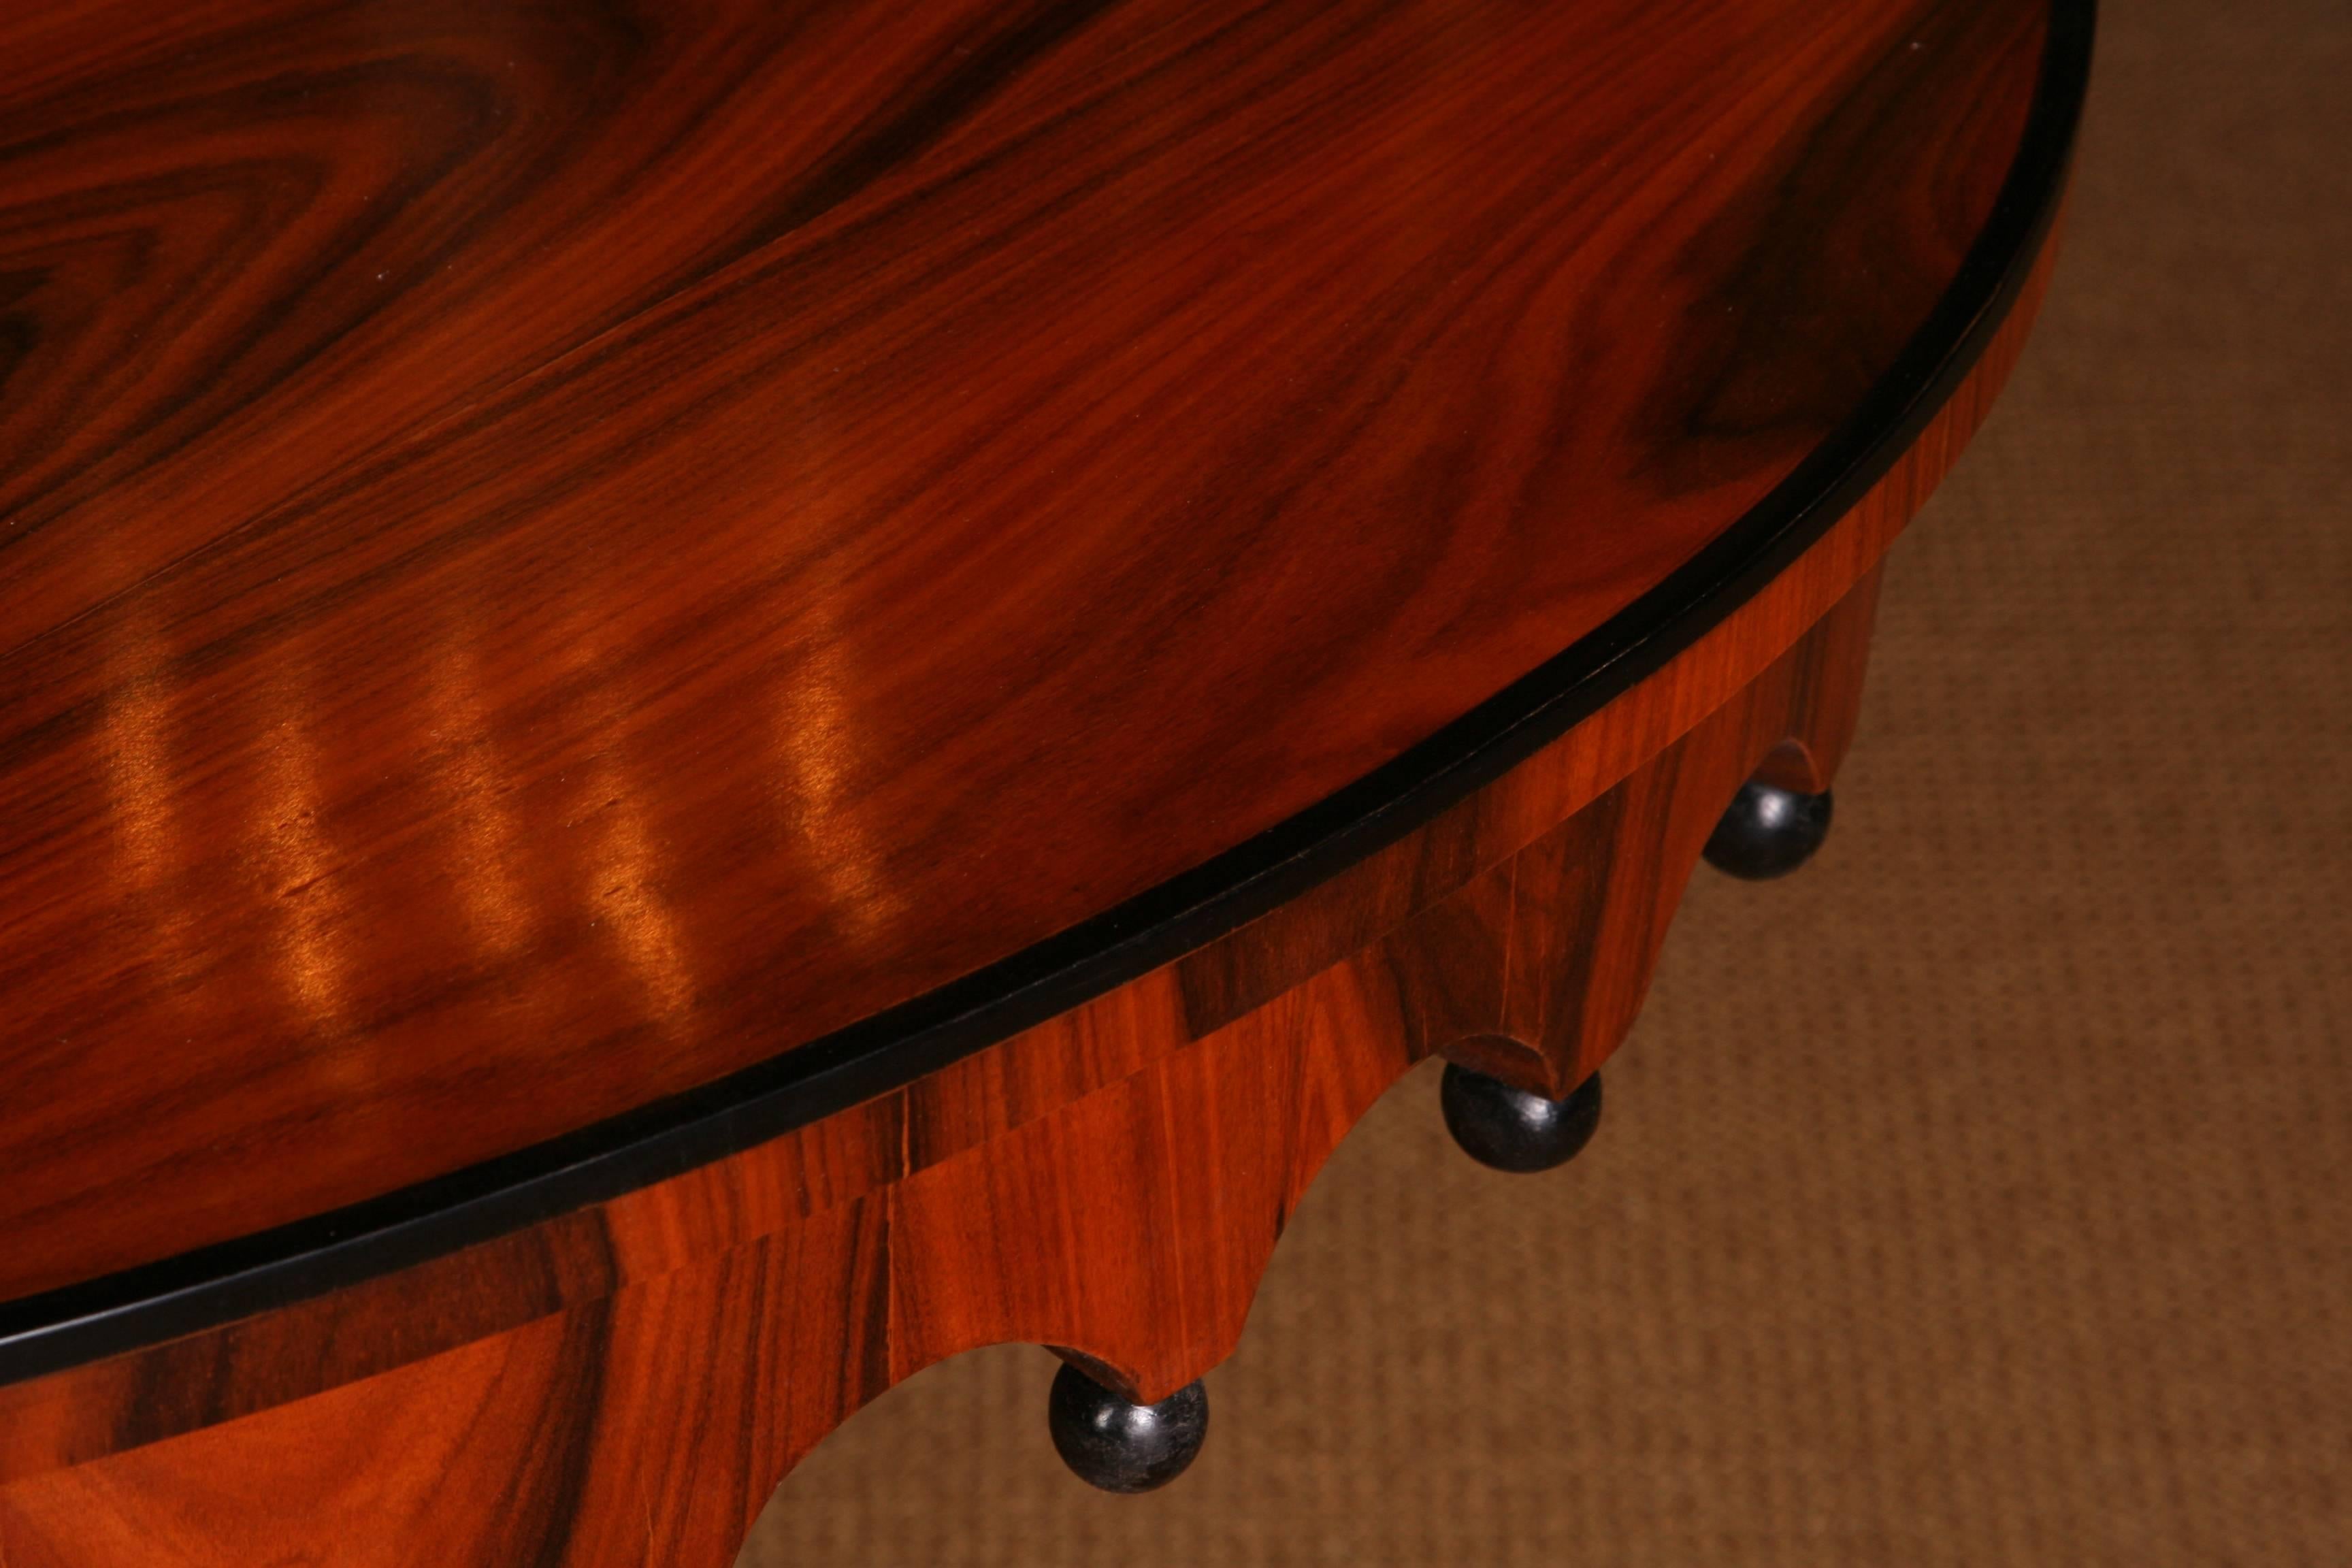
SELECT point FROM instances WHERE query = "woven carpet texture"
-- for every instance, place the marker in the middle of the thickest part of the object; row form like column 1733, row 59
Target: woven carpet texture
column 1981, row 1196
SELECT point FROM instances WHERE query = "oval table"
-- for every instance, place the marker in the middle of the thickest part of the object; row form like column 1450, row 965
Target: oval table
column 703, row 703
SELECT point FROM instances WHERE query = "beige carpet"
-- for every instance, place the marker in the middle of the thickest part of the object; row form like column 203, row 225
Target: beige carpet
column 1982, row 1196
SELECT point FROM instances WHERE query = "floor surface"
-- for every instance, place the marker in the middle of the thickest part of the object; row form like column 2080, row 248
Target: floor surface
column 1982, row 1196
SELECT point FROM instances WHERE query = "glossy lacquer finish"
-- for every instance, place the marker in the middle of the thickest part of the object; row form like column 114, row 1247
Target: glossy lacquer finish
column 555, row 553
column 623, row 1382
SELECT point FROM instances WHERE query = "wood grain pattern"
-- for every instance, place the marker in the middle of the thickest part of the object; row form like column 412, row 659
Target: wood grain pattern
column 1112, row 1182
column 553, row 552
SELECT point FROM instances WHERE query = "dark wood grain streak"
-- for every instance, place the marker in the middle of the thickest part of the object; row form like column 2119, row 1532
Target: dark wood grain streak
column 554, row 553
column 740, row 1311
column 325, row 213
column 1817, row 251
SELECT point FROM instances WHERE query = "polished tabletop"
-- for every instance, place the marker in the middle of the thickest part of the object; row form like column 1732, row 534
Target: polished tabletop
column 551, row 554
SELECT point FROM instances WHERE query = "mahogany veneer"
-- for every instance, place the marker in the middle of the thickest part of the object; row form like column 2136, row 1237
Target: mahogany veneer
column 693, row 694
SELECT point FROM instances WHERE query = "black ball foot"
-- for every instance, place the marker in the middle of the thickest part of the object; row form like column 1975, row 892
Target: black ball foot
column 1768, row 832
column 1124, row 1447
column 1512, row 1130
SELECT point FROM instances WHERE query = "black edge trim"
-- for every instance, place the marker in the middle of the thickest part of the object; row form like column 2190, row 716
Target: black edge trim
column 218, row 1284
